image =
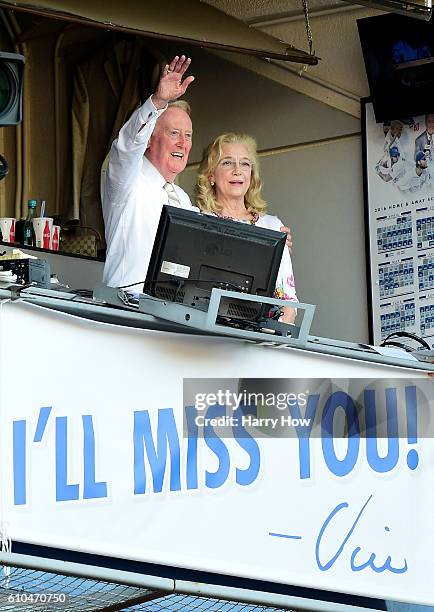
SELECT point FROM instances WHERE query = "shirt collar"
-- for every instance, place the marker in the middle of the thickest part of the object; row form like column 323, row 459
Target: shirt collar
column 152, row 173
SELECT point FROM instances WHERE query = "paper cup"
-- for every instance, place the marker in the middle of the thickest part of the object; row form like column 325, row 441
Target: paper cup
column 55, row 238
column 43, row 227
column 7, row 227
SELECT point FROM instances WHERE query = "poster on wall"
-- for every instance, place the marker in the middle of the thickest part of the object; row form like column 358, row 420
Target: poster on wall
column 399, row 199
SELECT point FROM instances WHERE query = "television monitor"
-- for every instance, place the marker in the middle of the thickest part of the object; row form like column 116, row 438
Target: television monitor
column 195, row 252
column 399, row 60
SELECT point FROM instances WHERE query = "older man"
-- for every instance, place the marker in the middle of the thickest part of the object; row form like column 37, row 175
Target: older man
column 151, row 150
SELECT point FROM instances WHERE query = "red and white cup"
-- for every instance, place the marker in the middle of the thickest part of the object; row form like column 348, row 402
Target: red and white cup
column 7, row 227
column 55, row 238
column 43, row 227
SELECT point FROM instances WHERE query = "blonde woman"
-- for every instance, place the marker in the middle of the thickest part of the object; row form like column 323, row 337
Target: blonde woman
column 229, row 186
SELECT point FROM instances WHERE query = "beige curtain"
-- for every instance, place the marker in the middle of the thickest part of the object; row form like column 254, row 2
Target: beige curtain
column 107, row 87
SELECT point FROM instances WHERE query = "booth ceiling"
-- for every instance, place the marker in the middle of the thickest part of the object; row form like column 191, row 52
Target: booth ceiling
column 188, row 21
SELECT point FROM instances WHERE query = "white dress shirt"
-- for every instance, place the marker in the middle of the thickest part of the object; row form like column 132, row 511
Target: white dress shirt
column 132, row 199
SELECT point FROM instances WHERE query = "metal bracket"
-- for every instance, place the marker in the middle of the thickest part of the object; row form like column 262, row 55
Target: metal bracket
column 269, row 331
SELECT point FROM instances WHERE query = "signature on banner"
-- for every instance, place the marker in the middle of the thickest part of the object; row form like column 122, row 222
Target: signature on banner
column 344, row 546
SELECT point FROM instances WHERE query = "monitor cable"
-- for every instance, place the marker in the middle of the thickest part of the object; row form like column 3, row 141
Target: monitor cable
column 223, row 285
column 393, row 339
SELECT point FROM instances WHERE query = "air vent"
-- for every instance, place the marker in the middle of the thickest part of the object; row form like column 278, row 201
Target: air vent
column 170, row 294
column 241, row 311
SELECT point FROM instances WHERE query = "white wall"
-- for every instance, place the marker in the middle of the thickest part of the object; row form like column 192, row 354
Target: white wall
column 314, row 187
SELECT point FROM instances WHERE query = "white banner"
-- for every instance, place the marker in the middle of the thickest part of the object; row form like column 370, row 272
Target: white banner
column 94, row 459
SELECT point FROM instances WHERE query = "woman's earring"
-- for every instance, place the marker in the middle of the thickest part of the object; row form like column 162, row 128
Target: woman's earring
column 212, row 183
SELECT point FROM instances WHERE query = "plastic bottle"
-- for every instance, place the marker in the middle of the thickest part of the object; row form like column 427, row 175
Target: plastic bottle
column 46, row 236
column 12, row 232
column 55, row 242
column 28, row 231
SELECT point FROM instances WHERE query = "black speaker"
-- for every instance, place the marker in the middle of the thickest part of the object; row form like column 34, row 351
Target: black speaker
column 11, row 88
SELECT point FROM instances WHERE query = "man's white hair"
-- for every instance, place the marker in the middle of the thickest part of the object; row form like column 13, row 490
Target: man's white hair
column 182, row 104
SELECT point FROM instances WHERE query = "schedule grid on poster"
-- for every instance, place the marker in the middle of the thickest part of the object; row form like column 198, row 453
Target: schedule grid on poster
column 400, row 204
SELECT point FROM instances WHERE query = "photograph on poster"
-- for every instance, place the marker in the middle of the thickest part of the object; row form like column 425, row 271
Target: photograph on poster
column 399, row 198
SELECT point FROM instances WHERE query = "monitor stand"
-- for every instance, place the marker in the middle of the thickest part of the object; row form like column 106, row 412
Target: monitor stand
column 208, row 321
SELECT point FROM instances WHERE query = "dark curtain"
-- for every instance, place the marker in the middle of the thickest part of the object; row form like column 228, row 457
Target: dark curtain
column 107, row 87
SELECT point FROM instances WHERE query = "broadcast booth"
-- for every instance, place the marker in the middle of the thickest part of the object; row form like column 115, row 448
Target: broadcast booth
column 174, row 445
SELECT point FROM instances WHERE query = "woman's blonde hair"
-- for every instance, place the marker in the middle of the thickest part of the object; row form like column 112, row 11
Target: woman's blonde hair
column 205, row 192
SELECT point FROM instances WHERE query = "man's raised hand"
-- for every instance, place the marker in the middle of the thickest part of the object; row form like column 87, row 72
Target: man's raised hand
column 171, row 86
